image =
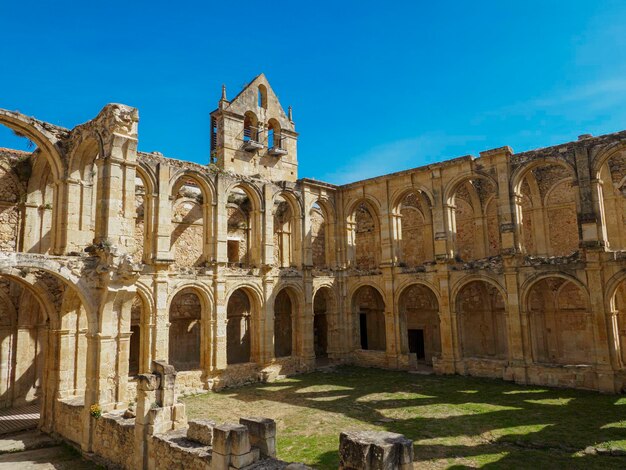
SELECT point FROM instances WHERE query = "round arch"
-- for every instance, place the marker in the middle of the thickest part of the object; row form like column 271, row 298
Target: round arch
column 370, row 202
column 604, row 155
column 46, row 140
column 367, row 306
column 407, row 283
column 458, row 286
column 252, row 191
column 528, row 284
column 518, row 175
column 454, row 184
column 15, row 267
column 421, row 191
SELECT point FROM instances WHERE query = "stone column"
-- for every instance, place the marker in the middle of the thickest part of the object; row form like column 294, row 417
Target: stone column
column 163, row 216
column 221, row 221
column 590, row 221
column 517, row 362
column 305, row 327
column 220, row 316
column 160, row 346
column 447, row 325
column 602, row 323
column 263, row 353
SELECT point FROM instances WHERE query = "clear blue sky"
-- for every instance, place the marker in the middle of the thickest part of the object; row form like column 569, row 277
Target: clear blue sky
column 376, row 87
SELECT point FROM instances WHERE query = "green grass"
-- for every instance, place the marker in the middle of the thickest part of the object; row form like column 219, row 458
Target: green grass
column 456, row 422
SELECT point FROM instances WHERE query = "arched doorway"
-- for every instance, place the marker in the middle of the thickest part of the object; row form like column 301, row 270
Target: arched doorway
column 561, row 324
column 322, row 302
column 134, row 355
column 482, row 321
column 238, row 342
column 185, row 330
column 419, row 316
column 43, row 350
column 283, row 324
column 368, row 307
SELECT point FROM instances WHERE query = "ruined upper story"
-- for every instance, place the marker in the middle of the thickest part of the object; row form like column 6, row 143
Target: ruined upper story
column 89, row 185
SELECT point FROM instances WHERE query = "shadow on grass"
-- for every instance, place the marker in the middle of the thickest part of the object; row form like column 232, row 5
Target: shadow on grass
column 491, row 423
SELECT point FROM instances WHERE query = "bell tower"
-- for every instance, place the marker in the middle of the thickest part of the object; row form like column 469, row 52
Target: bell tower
column 253, row 136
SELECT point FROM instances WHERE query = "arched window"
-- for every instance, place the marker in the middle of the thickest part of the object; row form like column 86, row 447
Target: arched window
column 262, row 97
column 250, row 127
column 283, row 226
column 273, row 134
column 474, row 220
column 187, row 238
column 318, row 236
column 238, row 210
column 365, row 237
column 548, row 211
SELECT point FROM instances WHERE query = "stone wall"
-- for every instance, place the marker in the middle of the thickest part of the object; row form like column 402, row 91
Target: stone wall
column 114, row 440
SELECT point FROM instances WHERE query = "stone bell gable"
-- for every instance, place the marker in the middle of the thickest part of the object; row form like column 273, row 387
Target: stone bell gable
column 252, row 135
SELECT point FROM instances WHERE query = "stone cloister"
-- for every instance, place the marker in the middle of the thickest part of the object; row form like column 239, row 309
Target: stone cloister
column 508, row 265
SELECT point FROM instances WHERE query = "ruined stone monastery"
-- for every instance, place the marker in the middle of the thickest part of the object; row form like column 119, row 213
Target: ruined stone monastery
column 507, row 265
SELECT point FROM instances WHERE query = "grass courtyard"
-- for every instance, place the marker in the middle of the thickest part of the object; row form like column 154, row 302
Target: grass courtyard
column 456, row 422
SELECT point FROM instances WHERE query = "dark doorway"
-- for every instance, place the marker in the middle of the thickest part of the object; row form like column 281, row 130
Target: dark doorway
column 416, row 343
column 363, row 325
column 320, row 329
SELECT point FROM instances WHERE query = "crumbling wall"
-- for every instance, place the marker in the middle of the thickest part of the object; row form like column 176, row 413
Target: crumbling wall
column 413, row 232
column 365, row 238
column 10, row 212
column 187, row 227
column 465, row 225
column 318, row 238
column 114, row 439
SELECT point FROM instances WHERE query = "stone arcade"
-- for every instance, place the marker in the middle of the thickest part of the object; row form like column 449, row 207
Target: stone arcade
column 115, row 263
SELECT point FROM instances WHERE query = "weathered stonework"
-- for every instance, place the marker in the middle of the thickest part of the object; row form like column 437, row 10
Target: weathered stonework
column 503, row 265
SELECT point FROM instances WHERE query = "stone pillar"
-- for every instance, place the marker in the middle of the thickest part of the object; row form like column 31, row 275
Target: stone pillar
column 447, row 324
column 232, row 448
column 262, row 433
column 517, row 362
column 591, row 225
column 157, row 411
column 220, row 339
column 221, row 221
column 500, row 158
column 371, row 450
column 307, row 251
column 161, row 328
column 602, row 323
column 263, row 352
column 163, row 216
column 304, row 331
